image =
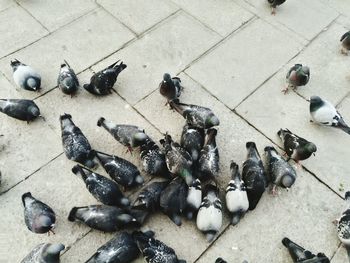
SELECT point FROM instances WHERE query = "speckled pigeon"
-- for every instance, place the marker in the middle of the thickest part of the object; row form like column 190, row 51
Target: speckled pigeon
column 192, row 140
column 344, row 224
column 67, row 80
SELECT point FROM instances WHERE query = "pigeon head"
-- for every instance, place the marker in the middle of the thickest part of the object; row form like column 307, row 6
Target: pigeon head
column 212, row 121
column 65, row 116
column 34, row 111
column 347, row 195
column 211, row 189
column 139, row 138
column 303, row 70
column 269, row 149
column 166, row 77
column 233, row 167
column 197, row 184
column 52, row 252
column 311, row 147
column 126, row 218
column 14, row 64
column 287, row 181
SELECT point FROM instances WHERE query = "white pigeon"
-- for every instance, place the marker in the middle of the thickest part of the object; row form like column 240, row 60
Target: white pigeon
column 25, row 76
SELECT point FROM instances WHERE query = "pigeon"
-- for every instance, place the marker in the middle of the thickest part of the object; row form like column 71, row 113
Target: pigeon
column 344, row 224
column 103, row 189
column 208, row 163
column 103, row 81
column 153, row 159
column 153, row 250
column 296, row 148
column 192, row 140
column 173, row 199
column 102, row 217
column 300, row 254
column 196, row 116
column 220, row 260
column 345, row 42
column 253, row 175
column 297, row 76
column 129, row 135
column 324, row 113
column 44, row 253
column 24, row 110
column 25, row 76
column 120, row 249
column 170, row 87
column 67, row 81
column 194, row 199
column 149, row 197
column 209, row 217
column 281, row 173
column 274, row 4
column 75, row 145
column 120, row 170
column 39, row 217
column 178, row 160
column 236, row 195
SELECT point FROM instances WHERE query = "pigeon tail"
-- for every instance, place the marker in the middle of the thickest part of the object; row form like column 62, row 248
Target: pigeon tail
column 345, row 128
column 53, row 252
column 72, row 213
column 210, row 235
column 236, row 217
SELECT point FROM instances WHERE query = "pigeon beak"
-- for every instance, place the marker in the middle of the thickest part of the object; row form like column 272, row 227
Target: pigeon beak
column 308, row 100
column 314, row 154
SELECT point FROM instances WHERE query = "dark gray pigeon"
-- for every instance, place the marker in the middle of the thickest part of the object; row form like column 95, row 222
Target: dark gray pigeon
column 67, row 80
column 297, row 76
column 173, row 199
column 102, row 82
column 192, row 140
column 75, row 145
column 196, row 116
column 274, row 4
column 194, row 199
column 120, row 170
column 300, row 254
column 102, row 217
column 44, row 253
column 345, row 42
column 253, row 175
column 220, row 260
column 281, row 173
column 170, row 87
column 103, row 189
column 153, row 250
column 25, row 76
column 324, row 113
column 120, row 249
column 129, row 135
column 344, row 224
column 39, row 217
column 24, row 110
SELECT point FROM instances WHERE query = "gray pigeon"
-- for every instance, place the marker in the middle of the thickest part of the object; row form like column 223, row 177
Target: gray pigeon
column 25, row 76
column 220, row 260
column 120, row 249
column 345, row 42
column 24, row 110
column 129, row 135
column 281, row 173
column 170, row 87
column 274, row 4
column 75, row 145
column 192, row 140
column 67, row 80
column 324, row 113
column 194, row 199
column 297, row 76
column 344, row 224
column 39, row 217
column 44, row 253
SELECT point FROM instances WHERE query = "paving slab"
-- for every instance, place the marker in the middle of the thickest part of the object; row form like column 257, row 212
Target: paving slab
column 61, row 12
column 18, row 29
column 137, row 14
column 341, row 256
column 5, row 4
column 238, row 66
column 231, row 17
column 153, row 54
column 67, row 44
column 339, row 5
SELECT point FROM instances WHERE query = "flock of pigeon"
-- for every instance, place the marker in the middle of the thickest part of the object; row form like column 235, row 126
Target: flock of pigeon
column 189, row 170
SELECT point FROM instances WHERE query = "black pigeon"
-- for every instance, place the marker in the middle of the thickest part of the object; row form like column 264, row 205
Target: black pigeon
column 220, row 260
column 194, row 199
column 44, row 253
column 345, row 42
column 196, row 116
column 274, row 4
column 67, row 80
column 209, row 217
column 103, row 189
column 149, row 197
column 281, row 173
column 208, row 163
column 153, row 159
column 324, row 113
column 102, row 217
column 103, row 81
column 236, row 195
column 120, row 170
column 129, row 135
column 170, row 87
column 296, row 148
column 39, row 217
column 120, row 249
column 75, row 145
column 178, row 160
column 254, row 175
column 153, row 250
column 344, row 224
column 25, row 76
column 300, row 254
column 192, row 140
column 297, row 76
column 24, row 110
column 173, row 199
